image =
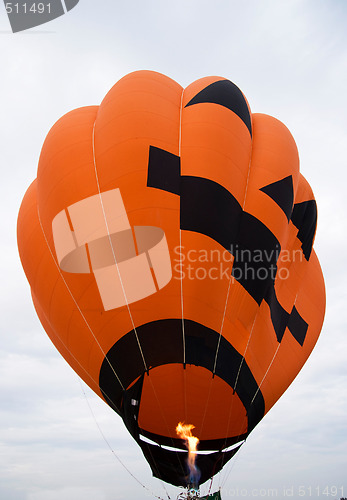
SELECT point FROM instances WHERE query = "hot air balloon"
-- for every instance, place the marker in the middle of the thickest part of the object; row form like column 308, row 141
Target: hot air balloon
column 168, row 242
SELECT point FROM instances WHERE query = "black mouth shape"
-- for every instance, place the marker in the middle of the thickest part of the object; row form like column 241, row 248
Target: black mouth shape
column 161, row 343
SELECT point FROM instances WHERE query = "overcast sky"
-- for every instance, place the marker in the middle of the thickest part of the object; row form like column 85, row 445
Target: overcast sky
column 289, row 57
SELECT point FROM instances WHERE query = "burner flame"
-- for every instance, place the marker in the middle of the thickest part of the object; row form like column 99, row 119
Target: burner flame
column 184, row 431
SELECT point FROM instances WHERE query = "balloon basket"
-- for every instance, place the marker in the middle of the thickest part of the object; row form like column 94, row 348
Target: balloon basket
column 190, row 493
column 193, row 493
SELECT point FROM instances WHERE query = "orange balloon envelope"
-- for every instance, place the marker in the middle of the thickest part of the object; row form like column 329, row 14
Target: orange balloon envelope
column 168, row 242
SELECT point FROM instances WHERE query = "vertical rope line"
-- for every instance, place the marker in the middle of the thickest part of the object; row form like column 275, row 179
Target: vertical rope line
column 235, row 385
column 267, row 371
column 256, row 315
column 222, row 324
column 77, row 361
column 273, row 359
column 180, row 234
column 76, row 304
column 236, row 381
column 226, row 303
column 206, row 405
column 244, row 354
column 227, row 300
column 113, row 252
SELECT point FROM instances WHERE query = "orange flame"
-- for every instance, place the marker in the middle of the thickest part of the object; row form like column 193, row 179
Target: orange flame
column 184, row 431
